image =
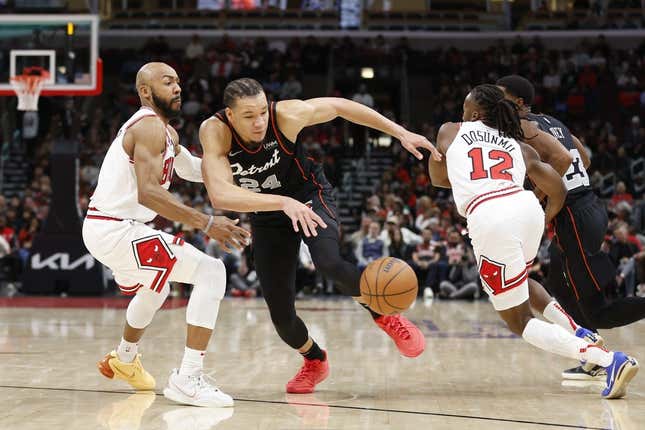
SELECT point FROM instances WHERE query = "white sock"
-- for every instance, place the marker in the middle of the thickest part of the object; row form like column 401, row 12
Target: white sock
column 555, row 339
column 126, row 351
column 554, row 313
column 192, row 363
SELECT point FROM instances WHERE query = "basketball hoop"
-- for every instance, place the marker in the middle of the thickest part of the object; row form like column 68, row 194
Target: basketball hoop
column 28, row 87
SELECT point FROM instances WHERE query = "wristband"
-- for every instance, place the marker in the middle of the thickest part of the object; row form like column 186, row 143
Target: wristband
column 209, row 224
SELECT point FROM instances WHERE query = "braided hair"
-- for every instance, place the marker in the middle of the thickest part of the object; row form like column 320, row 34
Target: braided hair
column 500, row 113
column 240, row 88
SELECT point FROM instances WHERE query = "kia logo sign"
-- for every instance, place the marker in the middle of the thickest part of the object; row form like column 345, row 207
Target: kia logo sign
column 61, row 261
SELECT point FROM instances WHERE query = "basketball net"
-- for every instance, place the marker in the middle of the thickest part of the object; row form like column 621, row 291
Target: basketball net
column 28, row 87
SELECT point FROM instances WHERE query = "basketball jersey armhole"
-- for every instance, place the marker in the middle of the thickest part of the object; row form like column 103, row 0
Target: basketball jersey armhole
column 281, row 138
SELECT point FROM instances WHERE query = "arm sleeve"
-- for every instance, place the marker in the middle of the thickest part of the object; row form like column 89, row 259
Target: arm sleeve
column 188, row 166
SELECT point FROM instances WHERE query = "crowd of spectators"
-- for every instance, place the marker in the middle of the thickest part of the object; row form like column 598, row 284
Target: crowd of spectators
column 598, row 91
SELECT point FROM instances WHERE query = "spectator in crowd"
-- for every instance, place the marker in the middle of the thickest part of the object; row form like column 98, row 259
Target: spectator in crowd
column 391, row 225
column 195, row 49
column 363, row 97
column 422, row 256
column 357, row 237
column 621, row 195
column 371, row 247
column 398, row 248
column 621, row 251
column 292, row 89
column 463, row 280
column 360, row 134
column 243, row 281
column 455, row 248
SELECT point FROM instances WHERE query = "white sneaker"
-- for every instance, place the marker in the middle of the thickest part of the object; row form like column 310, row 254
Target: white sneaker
column 196, row 391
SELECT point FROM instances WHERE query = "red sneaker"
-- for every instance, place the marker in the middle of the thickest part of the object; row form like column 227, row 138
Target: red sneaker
column 407, row 337
column 311, row 373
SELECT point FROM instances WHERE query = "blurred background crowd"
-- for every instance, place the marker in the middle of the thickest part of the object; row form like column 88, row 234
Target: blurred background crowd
column 388, row 205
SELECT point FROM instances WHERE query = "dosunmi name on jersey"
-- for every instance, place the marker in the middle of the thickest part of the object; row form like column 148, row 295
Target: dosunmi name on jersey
column 484, row 136
column 239, row 170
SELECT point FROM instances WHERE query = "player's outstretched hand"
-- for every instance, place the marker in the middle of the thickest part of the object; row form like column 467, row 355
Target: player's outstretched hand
column 303, row 215
column 226, row 232
column 412, row 141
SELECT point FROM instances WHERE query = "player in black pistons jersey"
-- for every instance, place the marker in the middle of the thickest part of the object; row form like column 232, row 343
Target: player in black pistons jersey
column 579, row 271
column 254, row 144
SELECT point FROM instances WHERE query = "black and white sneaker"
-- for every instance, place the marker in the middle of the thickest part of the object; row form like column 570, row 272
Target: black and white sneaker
column 581, row 373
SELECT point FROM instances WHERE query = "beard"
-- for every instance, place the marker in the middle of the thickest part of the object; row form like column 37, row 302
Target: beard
column 166, row 106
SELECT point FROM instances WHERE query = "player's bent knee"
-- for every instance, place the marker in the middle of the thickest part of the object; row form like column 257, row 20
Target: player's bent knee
column 144, row 306
column 329, row 265
column 208, row 290
column 211, row 274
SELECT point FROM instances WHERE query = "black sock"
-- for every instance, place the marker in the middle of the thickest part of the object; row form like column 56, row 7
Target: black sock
column 374, row 314
column 314, row 353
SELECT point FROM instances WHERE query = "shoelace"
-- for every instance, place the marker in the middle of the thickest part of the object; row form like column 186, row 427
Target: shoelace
column 397, row 326
column 202, row 382
column 304, row 372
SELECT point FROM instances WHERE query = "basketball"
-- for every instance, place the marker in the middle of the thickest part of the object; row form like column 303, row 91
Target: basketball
column 389, row 285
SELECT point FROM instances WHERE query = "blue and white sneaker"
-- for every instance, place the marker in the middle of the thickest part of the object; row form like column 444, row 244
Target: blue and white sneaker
column 621, row 370
column 587, row 371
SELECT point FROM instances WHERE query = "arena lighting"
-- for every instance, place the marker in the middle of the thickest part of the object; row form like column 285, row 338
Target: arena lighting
column 367, row 73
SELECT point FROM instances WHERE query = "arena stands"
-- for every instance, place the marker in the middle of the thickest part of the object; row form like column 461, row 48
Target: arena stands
column 594, row 86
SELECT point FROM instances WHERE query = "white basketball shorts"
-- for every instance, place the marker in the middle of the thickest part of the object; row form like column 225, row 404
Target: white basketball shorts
column 506, row 234
column 139, row 256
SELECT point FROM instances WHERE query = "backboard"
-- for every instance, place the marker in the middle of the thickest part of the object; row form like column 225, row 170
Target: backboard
column 64, row 45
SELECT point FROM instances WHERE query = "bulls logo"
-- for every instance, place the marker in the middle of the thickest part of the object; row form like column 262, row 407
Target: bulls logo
column 492, row 274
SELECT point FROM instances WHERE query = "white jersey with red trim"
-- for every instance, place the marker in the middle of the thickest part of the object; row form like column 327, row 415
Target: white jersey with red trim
column 116, row 192
column 482, row 165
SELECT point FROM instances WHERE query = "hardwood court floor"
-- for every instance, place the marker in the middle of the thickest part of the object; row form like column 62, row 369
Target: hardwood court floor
column 473, row 375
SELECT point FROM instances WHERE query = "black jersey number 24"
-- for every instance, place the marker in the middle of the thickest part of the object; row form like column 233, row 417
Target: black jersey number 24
column 270, row 183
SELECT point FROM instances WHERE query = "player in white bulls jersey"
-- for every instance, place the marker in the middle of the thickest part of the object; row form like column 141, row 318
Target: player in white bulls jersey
column 132, row 190
column 485, row 163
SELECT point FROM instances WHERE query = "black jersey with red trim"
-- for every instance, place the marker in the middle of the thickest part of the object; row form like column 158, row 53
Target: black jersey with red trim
column 576, row 178
column 277, row 166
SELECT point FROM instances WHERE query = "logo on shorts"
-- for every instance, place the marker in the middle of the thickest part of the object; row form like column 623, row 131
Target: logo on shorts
column 492, row 275
column 152, row 253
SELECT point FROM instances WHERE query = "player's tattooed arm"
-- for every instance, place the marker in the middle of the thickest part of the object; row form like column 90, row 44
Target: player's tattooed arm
column 294, row 115
column 438, row 169
column 546, row 179
column 586, row 161
column 187, row 166
column 550, row 150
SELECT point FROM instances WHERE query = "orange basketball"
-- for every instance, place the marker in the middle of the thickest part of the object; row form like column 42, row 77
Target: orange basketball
column 389, row 285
